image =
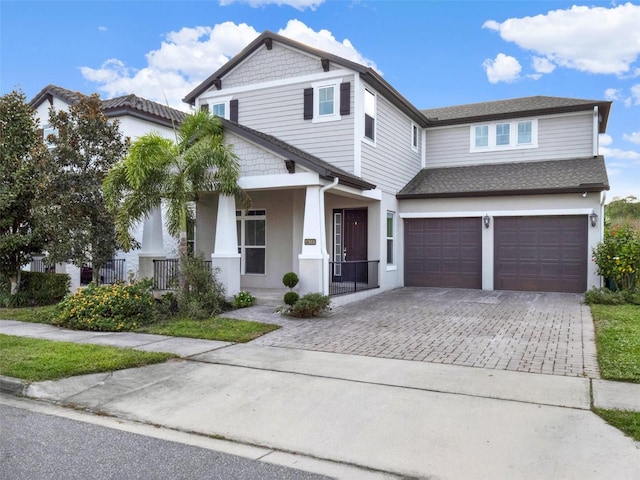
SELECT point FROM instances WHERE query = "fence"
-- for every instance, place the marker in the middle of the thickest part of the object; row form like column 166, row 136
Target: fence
column 351, row 277
column 166, row 273
column 112, row 271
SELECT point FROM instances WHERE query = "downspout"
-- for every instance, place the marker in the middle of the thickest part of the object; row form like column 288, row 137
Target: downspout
column 323, row 238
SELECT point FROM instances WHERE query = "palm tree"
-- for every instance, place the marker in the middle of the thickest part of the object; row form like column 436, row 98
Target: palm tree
column 157, row 169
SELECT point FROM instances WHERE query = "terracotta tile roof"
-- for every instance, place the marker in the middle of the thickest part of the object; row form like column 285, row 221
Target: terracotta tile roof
column 587, row 174
column 115, row 107
column 512, row 108
column 313, row 163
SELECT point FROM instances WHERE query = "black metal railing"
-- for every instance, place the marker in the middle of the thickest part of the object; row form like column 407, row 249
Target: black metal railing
column 166, row 273
column 351, row 277
column 112, row 271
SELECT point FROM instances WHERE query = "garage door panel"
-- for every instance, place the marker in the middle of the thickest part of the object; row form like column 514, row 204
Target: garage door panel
column 450, row 250
column 541, row 253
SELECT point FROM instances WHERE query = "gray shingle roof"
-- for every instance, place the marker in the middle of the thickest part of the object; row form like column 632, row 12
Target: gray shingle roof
column 587, row 174
column 512, row 108
column 114, row 107
column 274, row 144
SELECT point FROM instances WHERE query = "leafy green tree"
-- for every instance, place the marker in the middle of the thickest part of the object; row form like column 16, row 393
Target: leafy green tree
column 621, row 210
column 86, row 146
column 24, row 172
column 159, row 170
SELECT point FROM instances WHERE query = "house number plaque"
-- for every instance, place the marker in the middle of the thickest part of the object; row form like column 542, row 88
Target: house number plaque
column 309, row 241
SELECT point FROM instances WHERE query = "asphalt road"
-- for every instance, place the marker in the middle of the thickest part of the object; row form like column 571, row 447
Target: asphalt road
column 37, row 446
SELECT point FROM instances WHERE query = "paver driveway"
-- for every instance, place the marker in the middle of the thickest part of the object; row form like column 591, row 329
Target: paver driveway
column 524, row 331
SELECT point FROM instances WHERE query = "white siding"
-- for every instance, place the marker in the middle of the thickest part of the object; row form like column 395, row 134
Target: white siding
column 391, row 163
column 266, row 65
column 562, row 136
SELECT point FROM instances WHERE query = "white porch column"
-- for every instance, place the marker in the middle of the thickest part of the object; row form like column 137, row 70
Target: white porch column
column 152, row 243
column 311, row 260
column 225, row 255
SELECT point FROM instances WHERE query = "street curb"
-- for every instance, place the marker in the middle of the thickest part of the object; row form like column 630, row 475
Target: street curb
column 13, row 386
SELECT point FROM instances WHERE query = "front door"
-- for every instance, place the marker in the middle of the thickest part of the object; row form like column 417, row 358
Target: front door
column 350, row 245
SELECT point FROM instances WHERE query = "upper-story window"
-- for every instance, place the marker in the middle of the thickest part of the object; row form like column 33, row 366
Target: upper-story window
column 218, row 109
column 369, row 115
column 216, row 106
column 504, row 136
column 414, row 137
column 326, row 101
column 46, row 132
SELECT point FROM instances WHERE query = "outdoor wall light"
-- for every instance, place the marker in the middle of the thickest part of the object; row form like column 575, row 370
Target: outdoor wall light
column 594, row 219
column 487, row 221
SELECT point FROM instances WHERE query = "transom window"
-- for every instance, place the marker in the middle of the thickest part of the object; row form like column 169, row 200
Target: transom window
column 504, row 136
column 252, row 240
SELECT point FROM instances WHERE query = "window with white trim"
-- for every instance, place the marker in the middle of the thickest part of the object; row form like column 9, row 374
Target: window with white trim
column 516, row 134
column 46, row 131
column 390, row 238
column 369, row 114
column 216, row 106
column 414, row 137
column 219, row 109
column 252, row 240
column 326, row 101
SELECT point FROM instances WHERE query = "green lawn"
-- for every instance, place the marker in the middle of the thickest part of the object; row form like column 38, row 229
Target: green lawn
column 28, row 314
column 216, row 328
column 618, row 341
column 628, row 422
column 37, row 360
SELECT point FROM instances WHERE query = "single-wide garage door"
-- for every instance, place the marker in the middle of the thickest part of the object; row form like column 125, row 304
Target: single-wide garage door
column 546, row 254
column 443, row 252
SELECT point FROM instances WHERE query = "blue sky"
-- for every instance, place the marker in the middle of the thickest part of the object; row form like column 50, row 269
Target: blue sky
column 436, row 53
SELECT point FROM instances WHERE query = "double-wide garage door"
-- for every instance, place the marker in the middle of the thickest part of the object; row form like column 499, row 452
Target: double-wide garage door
column 543, row 253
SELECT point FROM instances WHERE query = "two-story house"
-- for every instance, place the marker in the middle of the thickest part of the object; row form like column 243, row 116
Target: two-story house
column 136, row 116
column 353, row 187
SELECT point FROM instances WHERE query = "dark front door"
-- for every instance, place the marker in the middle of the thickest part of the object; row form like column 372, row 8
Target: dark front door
column 350, row 245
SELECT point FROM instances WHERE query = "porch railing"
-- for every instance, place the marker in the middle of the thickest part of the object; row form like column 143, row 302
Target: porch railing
column 38, row 265
column 112, row 271
column 351, row 277
column 166, row 273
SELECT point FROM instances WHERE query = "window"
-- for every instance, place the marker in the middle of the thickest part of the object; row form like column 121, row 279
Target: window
column 524, row 133
column 482, row 136
column 251, row 232
column 191, row 236
column 390, row 229
column 326, row 96
column 218, row 109
column 502, row 134
column 45, row 135
column 414, row 137
column 519, row 134
column 369, row 115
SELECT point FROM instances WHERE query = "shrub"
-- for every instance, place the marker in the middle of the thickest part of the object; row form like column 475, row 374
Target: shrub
column 107, row 308
column 290, row 298
column 604, row 296
column 243, row 299
column 202, row 294
column 310, row 305
column 618, row 257
column 290, row 279
column 36, row 289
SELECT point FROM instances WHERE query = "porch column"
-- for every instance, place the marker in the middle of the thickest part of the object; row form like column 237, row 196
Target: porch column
column 311, row 260
column 225, row 255
column 152, row 243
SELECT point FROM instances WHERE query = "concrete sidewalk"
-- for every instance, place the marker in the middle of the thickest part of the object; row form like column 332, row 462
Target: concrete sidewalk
column 406, row 418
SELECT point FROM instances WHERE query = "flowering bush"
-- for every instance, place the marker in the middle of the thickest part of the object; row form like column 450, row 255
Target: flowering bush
column 618, row 257
column 243, row 299
column 108, row 308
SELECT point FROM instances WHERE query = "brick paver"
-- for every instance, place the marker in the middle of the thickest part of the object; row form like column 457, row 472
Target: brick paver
column 548, row 333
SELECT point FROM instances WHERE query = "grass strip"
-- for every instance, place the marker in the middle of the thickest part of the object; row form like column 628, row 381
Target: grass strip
column 628, row 422
column 215, row 328
column 618, row 341
column 28, row 314
column 37, row 360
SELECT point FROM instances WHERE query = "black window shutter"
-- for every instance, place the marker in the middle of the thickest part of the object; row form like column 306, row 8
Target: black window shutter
column 233, row 113
column 345, row 98
column 308, row 103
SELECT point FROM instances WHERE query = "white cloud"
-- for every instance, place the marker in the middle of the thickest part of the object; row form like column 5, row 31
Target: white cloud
column 102, row 28
column 297, row 4
column 188, row 56
column 633, row 137
column 503, row 68
column 613, row 94
column 619, row 154
column 589, row 39
column 635, row 94
column 605, row 139
column 543, row 65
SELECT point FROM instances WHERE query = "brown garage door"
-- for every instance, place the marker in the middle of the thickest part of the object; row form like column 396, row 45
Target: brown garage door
column 547, row 254
column 443, row 252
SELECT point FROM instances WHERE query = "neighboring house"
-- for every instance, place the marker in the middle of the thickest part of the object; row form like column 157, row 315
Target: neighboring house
column 353, row 187
column 137, row 116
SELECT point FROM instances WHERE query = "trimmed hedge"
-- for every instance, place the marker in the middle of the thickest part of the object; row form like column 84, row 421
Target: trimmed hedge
column 36, row 289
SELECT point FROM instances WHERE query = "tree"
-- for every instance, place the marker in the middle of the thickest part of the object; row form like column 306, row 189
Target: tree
column 24, row 172
column 157, row 169
column 86, row 146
